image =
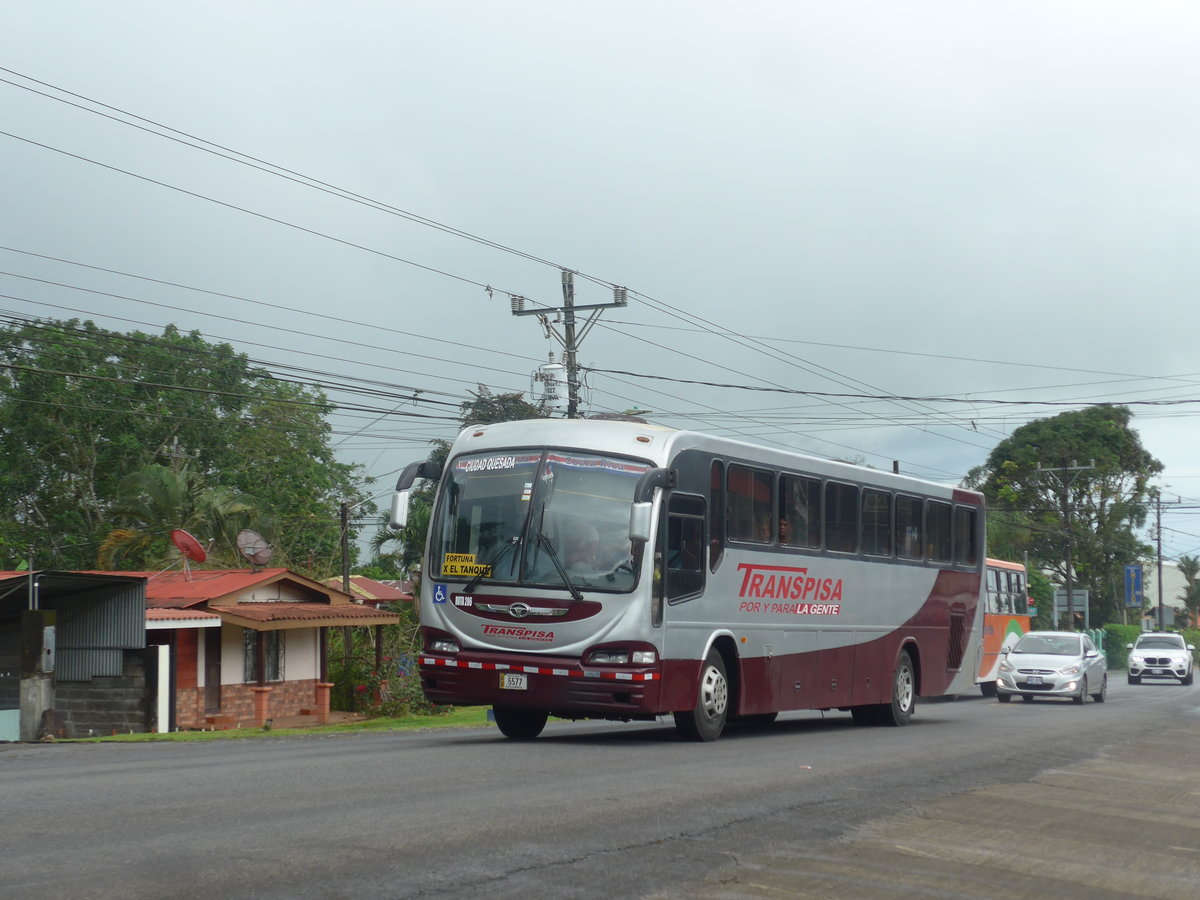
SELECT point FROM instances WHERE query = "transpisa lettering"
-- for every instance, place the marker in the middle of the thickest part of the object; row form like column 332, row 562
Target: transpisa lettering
column 520, row 632
column 815, row 596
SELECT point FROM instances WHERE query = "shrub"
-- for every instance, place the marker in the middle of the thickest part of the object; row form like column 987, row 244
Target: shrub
column 1115, row 639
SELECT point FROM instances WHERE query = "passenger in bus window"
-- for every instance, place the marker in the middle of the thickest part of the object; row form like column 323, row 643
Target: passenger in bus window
column 785, row 531
column 581, row 551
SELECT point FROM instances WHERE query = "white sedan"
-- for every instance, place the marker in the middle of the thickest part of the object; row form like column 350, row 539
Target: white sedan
column 1053, row 664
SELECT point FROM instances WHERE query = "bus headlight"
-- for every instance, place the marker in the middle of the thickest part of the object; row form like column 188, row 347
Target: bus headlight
column 620, row 656
column 444, row 645
column 607, row 657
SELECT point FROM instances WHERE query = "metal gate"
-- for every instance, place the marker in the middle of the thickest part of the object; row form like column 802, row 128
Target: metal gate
column 10, row 684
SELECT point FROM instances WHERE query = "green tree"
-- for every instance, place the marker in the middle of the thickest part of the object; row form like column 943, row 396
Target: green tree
column 1099, row 507
column 1189, row 566
column 156, row 494
column 486, row 408
column 81, row 408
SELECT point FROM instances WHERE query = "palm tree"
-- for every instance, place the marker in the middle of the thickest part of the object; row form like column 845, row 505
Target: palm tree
column 155, row 500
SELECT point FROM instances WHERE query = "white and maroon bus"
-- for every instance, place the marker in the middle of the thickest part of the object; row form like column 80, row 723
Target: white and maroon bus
column 620, row 570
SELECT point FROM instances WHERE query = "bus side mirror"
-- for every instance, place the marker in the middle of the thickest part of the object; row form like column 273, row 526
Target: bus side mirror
column 639, row 521
column 413, row 471
column 643, row 501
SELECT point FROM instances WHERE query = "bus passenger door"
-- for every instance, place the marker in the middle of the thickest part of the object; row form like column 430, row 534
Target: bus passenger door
column 679, row 577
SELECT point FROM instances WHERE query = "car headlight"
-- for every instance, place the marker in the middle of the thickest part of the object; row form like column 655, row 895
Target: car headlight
column 1136, row 659
column 1006, row 666
column 1071, row 669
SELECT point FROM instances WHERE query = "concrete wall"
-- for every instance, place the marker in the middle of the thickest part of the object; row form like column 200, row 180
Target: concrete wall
column 106, row 704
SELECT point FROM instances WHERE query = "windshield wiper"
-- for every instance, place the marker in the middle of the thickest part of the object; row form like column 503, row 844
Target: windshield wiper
column 470, row 586
column 562, row 570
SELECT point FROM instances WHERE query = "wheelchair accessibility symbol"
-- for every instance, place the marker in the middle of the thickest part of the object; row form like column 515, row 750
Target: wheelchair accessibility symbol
column 439, row 593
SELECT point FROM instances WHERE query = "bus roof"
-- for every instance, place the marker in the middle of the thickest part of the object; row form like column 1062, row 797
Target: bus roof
column 660, row 444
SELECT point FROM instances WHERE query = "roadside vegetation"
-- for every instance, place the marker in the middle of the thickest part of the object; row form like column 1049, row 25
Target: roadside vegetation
column 457, row 717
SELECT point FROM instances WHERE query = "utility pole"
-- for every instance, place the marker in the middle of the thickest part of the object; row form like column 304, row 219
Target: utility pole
column 1158, row 541
column 1067, row 476
column 570, row 338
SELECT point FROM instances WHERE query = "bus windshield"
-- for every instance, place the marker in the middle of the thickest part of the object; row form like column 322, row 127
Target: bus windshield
column 530, row 517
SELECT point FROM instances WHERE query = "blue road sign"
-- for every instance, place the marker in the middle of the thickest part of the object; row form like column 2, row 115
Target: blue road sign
column 1133, row 587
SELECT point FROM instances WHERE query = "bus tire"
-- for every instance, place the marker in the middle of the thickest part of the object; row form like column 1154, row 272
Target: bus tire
column 904, row 694
column 987, row 688
column 518, row 723
column 706, row 720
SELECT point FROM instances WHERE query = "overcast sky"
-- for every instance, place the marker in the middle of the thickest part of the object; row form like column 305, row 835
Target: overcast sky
column 979, row 202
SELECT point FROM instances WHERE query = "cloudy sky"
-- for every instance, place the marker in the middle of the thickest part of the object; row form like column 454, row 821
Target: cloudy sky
column 973, row 202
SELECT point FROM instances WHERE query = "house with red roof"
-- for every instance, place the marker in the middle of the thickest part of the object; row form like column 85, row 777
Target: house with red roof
column 248, row 645
column 96, row 652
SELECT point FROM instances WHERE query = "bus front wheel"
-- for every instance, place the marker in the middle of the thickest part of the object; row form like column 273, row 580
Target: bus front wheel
column 518, row 723
column 706, row 720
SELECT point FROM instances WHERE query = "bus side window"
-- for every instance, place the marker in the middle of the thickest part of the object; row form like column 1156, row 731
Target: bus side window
column 908, row 527
column 799, row 512
column 938, row 532
column 841, row 517
column 877, row 522
column 685, row 547
column 751, row 505
column 716, row 514
column 965, row 533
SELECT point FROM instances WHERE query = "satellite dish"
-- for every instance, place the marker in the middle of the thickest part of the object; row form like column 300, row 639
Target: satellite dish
column 254, row 547
column 188, row 546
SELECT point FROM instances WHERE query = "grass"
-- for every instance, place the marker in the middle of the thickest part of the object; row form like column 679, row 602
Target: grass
column 458, row 717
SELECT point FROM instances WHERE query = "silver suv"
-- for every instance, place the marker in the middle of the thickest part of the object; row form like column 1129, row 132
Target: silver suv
column 1159, row 654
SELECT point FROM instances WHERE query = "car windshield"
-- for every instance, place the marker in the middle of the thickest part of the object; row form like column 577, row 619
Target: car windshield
column 534, row 518
column 1159, row 642
column 1050, row 644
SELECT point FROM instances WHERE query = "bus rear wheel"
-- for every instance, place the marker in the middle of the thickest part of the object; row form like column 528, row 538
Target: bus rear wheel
column 904, row 694
column 904, row 699
column 706, row 720
column 518, row 723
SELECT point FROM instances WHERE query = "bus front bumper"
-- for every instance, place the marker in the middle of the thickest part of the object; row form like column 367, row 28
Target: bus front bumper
column 564, row 687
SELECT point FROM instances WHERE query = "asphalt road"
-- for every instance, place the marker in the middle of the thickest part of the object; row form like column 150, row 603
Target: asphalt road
column 974, row 799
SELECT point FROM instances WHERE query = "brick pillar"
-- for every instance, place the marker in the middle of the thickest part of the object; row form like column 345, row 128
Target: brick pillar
column 262, row 704
column 322, row 701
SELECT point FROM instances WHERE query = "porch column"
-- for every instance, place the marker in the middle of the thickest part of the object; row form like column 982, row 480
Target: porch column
column 262, row 703
column 322, row 701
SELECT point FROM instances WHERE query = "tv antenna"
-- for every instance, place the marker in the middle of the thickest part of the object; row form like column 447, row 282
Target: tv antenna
column 254, row 547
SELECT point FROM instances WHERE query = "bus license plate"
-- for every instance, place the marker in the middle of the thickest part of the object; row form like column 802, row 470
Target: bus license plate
column 514, row 681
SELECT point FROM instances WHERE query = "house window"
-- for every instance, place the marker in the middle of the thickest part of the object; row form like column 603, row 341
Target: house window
column 272, row 655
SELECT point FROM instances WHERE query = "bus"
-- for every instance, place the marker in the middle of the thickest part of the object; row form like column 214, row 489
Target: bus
column 620, row 570
column 1006, row 617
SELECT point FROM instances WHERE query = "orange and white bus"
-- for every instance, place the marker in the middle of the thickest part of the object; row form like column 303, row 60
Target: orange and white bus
column 1005, row 617
column 621, row 570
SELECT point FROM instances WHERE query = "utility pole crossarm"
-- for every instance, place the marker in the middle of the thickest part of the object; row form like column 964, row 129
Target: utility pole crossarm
column 570, row 339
